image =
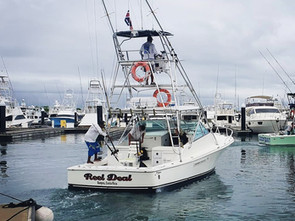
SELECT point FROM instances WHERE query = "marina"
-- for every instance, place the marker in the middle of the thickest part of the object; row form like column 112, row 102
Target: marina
column 147, row 143
column 251, row 182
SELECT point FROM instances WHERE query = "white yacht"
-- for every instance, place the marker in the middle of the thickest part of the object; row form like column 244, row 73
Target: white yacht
column 178, row 146
column 263, row 115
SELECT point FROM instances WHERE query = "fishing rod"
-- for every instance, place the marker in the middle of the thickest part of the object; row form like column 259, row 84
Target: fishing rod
column 114, row 152
column 113, row 144
column 105, row 89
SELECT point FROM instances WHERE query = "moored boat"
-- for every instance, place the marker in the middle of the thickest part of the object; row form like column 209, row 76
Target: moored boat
column 65, row 114
column 13, row 114
column 94, row 99
column 263, row 115
column 276, row 139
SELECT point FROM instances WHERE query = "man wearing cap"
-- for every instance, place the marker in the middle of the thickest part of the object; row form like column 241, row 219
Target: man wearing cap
column 148, row 52
column 90, row 139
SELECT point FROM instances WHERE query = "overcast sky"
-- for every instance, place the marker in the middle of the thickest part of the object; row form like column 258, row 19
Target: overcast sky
column 49, row 46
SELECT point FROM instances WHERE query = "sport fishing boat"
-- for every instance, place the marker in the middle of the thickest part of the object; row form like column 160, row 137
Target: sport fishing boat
column 14, row 116
column 178, row 147
column 94, row 99
column 225, row 114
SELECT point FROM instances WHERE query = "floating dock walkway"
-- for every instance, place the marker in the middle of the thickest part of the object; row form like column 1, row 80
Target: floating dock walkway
column 35, row 133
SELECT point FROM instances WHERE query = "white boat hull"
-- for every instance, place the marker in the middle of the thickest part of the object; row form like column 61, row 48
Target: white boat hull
column 119, row 177
column 276, row 139
column 266, row 126
column 125, row 178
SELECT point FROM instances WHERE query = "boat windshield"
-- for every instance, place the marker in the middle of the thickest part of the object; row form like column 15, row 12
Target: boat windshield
column 161, row 125
column 200, row 132
column 266, row 110
column 155, row 125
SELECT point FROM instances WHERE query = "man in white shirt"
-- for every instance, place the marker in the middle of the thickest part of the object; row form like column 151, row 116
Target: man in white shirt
column 137, row 133
column 148, row 52
column 90, row 139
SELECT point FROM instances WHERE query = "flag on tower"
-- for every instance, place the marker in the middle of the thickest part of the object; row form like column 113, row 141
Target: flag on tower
column 128, row 20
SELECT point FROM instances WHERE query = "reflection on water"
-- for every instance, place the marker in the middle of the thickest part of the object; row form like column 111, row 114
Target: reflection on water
column 251, row 182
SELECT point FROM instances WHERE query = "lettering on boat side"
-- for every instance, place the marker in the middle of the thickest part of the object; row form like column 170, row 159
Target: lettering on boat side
column 110, row 177
column 202, row 161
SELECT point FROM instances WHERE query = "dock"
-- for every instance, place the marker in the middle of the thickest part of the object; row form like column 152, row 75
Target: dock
column 42, row 132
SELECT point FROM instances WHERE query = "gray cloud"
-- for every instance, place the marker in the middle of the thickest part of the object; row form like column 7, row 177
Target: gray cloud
column 44, row 42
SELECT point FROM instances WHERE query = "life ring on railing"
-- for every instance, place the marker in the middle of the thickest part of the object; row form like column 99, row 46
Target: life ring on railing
column 146, row 67
column 160, row 104
column 292, row 113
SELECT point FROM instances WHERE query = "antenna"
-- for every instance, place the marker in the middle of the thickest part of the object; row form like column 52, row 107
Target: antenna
column 81, row 86
column 235, row 87
column 177, row 61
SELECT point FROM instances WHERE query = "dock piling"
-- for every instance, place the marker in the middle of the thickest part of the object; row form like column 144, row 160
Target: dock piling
column 243, row 119
column 2, row 118
column 99, row 114
column 43, row 114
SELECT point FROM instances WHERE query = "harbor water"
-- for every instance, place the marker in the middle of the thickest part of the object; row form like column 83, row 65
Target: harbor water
column 251, row 182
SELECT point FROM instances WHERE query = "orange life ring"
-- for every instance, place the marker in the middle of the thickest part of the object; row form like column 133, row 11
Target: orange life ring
column 160, row 104
column 135, row 66
column 292, row 113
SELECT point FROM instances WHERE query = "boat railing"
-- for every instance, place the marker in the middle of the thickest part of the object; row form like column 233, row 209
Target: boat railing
column 228, row 131
column 132, row 56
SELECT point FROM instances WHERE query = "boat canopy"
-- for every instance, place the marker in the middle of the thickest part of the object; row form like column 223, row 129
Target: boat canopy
column 261, row 97
column 141, row 33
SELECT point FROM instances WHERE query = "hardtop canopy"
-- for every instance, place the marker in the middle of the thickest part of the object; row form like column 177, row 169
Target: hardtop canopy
column 141, row 33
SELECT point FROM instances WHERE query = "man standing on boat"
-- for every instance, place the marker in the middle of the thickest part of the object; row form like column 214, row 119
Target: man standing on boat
column 137, row 133
column 148, row 52
column 91, row 140
column 290, row 129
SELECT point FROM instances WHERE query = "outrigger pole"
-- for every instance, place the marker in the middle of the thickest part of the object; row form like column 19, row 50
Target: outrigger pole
column 181, row 69
column 275, row 71
column 119, row 54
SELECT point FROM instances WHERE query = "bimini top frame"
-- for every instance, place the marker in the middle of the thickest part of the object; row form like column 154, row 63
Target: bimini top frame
column 142, row 33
